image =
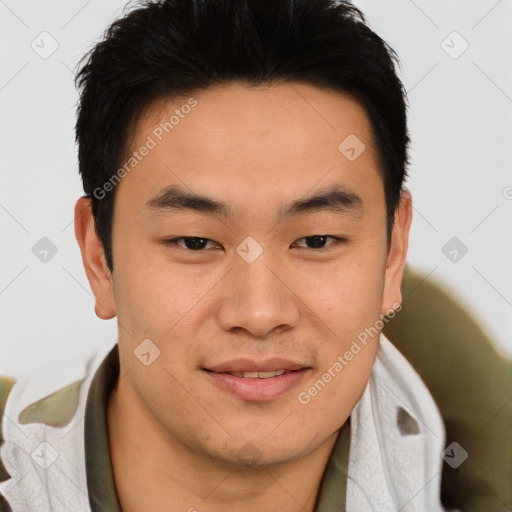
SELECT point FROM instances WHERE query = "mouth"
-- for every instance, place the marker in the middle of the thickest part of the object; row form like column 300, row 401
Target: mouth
column 257, row 382
column 257, row 375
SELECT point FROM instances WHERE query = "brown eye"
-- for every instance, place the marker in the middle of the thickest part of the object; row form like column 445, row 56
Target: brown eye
column 192, row 243
column 319, row 241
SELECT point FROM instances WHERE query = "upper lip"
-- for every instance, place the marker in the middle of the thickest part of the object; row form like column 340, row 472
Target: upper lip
column 252, row 365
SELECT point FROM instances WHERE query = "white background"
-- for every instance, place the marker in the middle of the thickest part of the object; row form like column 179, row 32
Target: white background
column 460, row 122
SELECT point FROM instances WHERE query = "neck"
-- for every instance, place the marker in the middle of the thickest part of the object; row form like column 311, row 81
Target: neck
column 144, row 457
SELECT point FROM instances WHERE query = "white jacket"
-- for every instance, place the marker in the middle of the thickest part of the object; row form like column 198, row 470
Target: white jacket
column 396, row 441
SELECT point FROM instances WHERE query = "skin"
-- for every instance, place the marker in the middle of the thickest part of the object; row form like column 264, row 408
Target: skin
column 171, row 429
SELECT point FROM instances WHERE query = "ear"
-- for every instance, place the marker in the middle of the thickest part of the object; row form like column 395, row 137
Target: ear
column 93, row 257
column 397, row 254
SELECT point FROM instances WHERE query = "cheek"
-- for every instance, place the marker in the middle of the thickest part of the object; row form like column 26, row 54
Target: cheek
column 346, row 294
column 347, row 301
column 149, row 292
column 345, row 365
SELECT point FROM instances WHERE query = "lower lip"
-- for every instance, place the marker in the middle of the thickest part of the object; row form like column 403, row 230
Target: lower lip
column 258, row 390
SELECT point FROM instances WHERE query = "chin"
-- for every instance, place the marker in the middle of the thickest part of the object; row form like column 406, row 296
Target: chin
column 258, row 451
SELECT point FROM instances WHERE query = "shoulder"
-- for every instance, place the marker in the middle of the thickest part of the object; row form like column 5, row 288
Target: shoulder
column 45, row 405
column 396, row 439
column 6, row 384
column 469, row 376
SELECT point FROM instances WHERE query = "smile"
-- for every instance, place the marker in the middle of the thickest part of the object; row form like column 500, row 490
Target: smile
column 257, row 375
column 253, row 386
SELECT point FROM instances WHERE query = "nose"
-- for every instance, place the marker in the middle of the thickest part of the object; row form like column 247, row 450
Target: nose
column 258, row 298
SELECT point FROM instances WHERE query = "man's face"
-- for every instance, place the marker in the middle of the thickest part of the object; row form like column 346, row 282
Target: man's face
column 253, row 290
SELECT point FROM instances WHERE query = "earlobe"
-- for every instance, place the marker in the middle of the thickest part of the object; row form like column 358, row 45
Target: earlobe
column 93, row 257
column 397, row 255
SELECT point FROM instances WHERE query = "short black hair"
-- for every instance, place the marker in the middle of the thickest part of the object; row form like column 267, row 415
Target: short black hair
column 169, row 48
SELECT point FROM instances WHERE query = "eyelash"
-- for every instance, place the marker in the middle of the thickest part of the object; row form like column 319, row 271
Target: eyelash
column 337, row 241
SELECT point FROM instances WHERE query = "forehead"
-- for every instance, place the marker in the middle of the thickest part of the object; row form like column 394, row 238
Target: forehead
column 287, row 109
column 255, row 138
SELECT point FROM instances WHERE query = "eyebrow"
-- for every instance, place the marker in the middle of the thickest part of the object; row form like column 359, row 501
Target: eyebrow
column 336, row 199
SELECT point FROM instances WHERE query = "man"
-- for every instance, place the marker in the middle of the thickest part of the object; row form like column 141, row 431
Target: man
column 245, row 220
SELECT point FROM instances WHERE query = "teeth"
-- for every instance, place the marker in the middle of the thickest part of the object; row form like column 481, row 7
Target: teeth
column 258, row 375
column 267, row 375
